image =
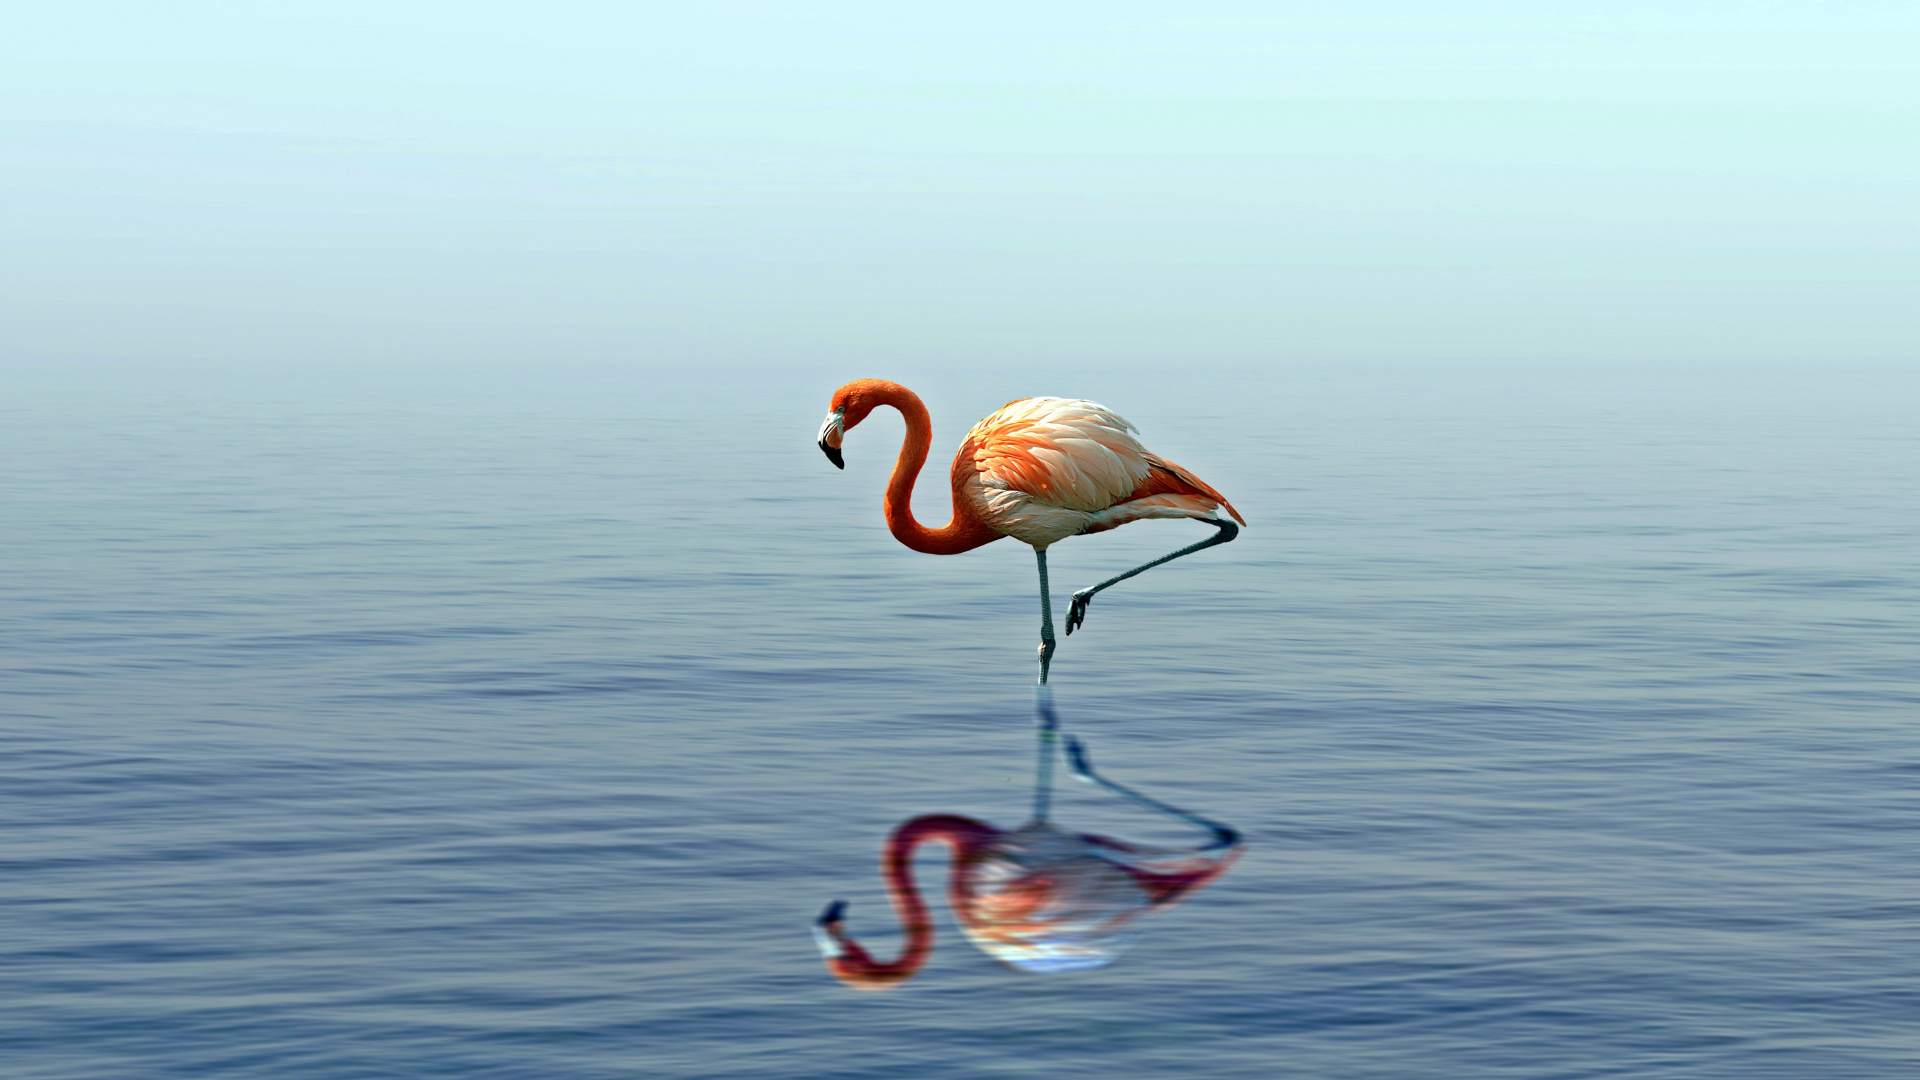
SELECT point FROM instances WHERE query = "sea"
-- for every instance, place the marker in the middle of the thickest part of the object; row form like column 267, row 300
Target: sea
column 516, row 723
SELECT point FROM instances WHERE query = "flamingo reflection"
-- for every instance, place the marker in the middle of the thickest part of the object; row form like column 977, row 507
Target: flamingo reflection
column 1036, row 898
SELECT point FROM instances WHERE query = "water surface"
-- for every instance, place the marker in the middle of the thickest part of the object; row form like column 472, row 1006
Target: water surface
column 517, row 722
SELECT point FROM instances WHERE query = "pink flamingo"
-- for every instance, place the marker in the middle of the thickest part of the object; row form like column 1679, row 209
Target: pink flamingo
column 1035, row 898
column 1039, row 470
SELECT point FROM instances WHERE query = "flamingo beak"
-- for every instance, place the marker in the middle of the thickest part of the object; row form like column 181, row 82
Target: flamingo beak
column 830, row 435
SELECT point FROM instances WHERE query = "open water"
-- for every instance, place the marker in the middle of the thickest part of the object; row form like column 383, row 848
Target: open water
column 517, row 723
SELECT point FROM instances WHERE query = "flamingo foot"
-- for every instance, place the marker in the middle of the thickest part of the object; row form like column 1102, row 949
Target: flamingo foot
column 1077, row 611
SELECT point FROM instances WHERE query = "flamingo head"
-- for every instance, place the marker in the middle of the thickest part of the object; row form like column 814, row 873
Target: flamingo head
column 851, row 404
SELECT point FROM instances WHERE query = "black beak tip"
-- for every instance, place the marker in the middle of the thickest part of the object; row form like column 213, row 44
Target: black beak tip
column 833, row 455
column 834, row 913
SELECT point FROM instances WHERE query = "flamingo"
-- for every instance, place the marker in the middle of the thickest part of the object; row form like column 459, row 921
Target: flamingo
column 1039, row 470
column 1036, row 898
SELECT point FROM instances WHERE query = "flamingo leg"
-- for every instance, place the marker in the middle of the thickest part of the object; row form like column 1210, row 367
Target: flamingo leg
column 1223, row 836
column 1046, row 725
column 1077, row 612
column 1046, row 616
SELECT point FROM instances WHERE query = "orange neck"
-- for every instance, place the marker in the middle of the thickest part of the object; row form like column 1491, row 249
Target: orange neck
column 963, row 532
column 967, row 837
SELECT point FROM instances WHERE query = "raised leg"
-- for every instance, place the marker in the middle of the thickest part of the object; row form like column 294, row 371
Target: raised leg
column 1077, row 613
column 1223, row 837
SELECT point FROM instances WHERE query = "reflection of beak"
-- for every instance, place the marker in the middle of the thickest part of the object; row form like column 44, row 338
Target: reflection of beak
column 826, row 930
column 830, row 436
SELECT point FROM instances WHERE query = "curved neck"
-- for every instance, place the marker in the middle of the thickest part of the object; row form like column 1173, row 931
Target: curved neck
column 968, row 838
column 963, row 532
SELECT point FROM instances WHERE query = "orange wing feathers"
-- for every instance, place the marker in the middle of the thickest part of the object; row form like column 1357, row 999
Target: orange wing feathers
column 1073, row 454
column 1043, row 469
column 1166, row 478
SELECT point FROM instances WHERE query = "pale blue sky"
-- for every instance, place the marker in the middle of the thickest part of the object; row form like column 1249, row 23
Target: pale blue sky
column 775, row 183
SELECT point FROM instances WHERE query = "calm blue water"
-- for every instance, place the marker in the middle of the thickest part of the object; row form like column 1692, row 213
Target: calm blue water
column 516, row 724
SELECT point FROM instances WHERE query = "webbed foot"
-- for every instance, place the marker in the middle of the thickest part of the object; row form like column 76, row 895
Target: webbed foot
column 1077, row 611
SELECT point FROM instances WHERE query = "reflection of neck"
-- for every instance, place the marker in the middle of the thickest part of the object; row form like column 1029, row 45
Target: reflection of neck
column 968, row 839
column 963, row 532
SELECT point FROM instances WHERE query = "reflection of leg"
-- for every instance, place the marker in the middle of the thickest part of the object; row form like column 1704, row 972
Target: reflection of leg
column 1223, row 837
column 1046, row 616
column 1047, row 727
column 1077, row 613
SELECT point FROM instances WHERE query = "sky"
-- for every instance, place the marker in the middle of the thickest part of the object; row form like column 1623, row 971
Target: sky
column 769, row 184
